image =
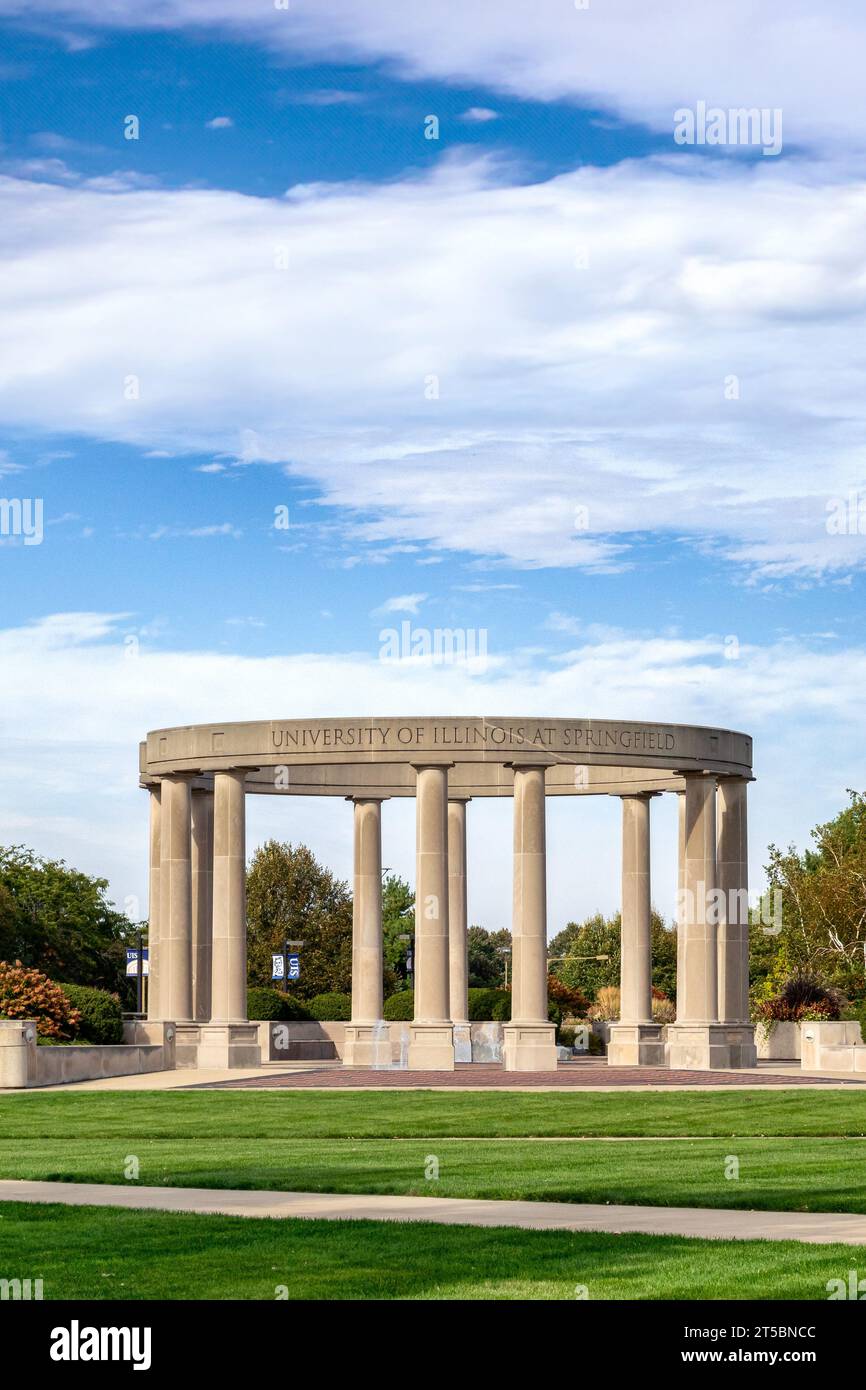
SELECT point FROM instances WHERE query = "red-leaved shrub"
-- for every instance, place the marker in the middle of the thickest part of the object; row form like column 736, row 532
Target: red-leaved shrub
column 28, row 993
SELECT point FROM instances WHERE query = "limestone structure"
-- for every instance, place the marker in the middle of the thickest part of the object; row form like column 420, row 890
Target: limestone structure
column 198, row 778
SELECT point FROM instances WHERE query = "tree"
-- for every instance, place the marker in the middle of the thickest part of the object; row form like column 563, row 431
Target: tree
column 823, row 904
column 291, row 896
column 60, row 921
column 398, row 919
column 600, row 936
column 486, row 958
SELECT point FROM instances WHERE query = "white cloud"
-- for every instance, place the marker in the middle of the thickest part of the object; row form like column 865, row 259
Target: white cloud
column 480, row 115
column 561, row 390
column 636, row 60
column 221, row 528
column 326, row 96
column 402, row 603
column 219, row 123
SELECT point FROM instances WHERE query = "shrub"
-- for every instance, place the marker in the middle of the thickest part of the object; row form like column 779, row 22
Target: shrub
column 571, row 1001
column 101, row 1021
column 805, row 990
column 802, row 997
column 664, row 1011
column 331, row 1008
column 400, row 1007
column 482, row 1003
column 607, row 1004
column 502, row 1007
column 268, row 1005
column 565, row 1037
column 30, row 994
column 856, row 1011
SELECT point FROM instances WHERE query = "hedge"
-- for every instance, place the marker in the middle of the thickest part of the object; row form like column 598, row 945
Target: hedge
column 331, row 1008
column 400, row 1007
column 101, row 1016
column 268, row 1005
column 489, row 1005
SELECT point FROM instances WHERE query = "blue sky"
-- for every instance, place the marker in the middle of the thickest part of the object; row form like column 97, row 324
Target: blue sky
column 434, row 353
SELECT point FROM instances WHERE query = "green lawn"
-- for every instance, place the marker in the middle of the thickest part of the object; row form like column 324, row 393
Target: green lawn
column 813, row 1175
column 90, row 1252
column 796, row 1151
column 423, row 1114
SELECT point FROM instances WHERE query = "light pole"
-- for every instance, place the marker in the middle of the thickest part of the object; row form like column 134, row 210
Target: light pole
column 506, row 952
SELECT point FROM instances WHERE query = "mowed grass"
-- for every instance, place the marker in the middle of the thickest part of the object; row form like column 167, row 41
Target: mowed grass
column 786, row 1150
column 768, row 1174
column 109, row 1253
column 424, row 1114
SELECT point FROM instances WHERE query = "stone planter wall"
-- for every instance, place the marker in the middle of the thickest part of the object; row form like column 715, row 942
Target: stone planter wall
column 148, row 1047
column 310, row 1041
column 780, row 1043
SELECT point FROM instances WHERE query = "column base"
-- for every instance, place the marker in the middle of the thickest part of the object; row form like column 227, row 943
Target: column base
column 636, row 1045
column 367, row 1045
column 431, row 1047
column 462, row 1042
column 529, row 1047
column 710, row 1046
column 218, row 1046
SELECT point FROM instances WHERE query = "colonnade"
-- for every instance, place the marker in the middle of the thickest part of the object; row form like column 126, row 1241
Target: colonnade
column 197, row 925
column 712, row 1026
column 198, row 922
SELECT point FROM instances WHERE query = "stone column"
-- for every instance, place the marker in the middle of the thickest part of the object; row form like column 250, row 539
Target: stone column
column 175, row 901
column 153, row 904
column 529, row 1040
column 431, row 1036
column 681, row 885
column 733, row 949
column 367, row 1036
column 458, row 953
column 229, row 987
column 635, row 1040
column 202, row 903
column 696, row 1041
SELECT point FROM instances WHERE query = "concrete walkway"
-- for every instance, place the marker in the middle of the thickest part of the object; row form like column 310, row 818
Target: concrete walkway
column 813, row 1227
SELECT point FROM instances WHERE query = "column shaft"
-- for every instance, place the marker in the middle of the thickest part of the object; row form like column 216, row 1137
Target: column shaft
column 458, row 959
column 229, row 988
column 367, row 913
column 636, row 953
column 431, row 896
column 697, row 991
column 175, row 901
column 431, row 1045
column 153, row 904
column 529, row 920
column 733, row 870
column 529, row 1038
column 202, row 903
column 681, row 887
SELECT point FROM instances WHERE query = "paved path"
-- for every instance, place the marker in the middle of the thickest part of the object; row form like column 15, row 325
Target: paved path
column 583, row 1074
column 814, row 1227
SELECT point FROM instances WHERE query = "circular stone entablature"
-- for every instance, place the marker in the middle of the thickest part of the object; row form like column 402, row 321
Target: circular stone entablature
column 377, row 756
